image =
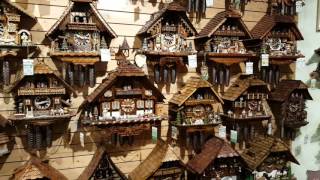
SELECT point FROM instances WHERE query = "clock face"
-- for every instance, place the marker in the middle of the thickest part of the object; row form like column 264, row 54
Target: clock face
column 293, row 107
column 82, row 42
column 199, row 111
column 128, row 105
column 42, row 102
column 253, row 105
column 275, row 44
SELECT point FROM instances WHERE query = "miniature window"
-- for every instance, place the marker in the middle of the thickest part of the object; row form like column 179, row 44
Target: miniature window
column 39, row 136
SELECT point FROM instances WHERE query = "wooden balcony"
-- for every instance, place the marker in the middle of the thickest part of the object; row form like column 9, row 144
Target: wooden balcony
column 41, row 91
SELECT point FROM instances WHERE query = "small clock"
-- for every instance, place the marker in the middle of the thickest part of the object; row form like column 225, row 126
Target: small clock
column 293, row 107
column 42, row 102
column 128, row 105
column 199, row 111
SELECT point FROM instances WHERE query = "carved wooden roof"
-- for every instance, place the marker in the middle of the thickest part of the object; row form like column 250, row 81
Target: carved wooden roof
column 35, row 168
column 219, row 19
column 213, row 148
column 261, row 147
column 19, row 9
column 172, row 7
column 125, row 69
column 192, row 84
column 104, row 26
column 268, row 22
column 94, row 163
column 161, row 153
column 286, row 87
column 241, row 85
column 41, row 68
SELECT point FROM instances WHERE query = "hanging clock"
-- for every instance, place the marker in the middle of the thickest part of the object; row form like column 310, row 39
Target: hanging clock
column 42, row 102
column 128, row 105
column 198, row 111
column 253, row 105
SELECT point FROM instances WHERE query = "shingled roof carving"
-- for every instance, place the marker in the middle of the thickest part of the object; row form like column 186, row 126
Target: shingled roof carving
column 286, row 87
column 214, row 24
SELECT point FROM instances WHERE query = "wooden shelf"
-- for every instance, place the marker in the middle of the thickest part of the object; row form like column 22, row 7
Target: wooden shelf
column 40, row 91
column 200, row 101
column 244, row 119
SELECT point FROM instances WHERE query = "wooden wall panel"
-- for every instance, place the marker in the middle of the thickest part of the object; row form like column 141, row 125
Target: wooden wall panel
column 126, row 19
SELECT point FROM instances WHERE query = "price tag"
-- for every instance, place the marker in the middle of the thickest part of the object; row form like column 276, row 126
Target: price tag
column 249, row 67
column 265, row 60
column 192, row 61
column 105, row 55
column 234, row 136
column 28, row 67
column 174, row 132
column 223, row 132
column 209, row 3
column 154, row 134
column 140, row 60
column 82, row 139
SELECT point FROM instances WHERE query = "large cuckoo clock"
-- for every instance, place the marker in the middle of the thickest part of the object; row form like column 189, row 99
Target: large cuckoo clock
column 221, row 44
column 195, row 112
column 15, row 39
column 41, row 101
column 164, row 41
column 288, row 105
column 124, row 104
column 246, row 108
column 78, row 38
column 276, row 34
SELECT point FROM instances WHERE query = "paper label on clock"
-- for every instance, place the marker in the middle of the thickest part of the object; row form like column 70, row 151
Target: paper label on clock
column 249, row 68
column 234, row 136
column 264, row 59
column 192, row 61
column 105, row 55
column 28, row 67
column 154, row 134
column 140, row 60
column 223, row 132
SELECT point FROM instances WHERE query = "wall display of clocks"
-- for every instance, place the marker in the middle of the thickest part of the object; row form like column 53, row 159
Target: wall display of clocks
column 128, row 105
column 42, row 102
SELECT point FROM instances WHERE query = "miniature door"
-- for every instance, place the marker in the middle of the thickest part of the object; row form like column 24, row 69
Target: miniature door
column 14, row 40
column 78, row 38
column 164, row 41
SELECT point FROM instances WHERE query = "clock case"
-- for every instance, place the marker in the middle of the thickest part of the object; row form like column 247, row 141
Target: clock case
column 165, row 42
column 76, row 40
column 15, row 39
column 124, row 104
column 195, row 112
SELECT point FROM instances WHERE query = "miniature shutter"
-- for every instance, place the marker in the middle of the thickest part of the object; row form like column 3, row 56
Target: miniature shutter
column 6, row 72
column 92, row 79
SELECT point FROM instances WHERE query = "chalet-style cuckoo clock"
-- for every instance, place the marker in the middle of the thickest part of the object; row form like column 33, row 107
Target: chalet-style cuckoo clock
column 77, row 40
column 15, row 41
column 288, row 104
column 164, row 41
column 124, row 104
column 195, row 112
column 220, row 42
column 246, row 108
column 276, row 34
column 41, row 101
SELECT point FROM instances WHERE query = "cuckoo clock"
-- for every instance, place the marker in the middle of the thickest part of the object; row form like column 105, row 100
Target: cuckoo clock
column 77, row 38
column 14, row 40
column 221, row 43
column 41, row 100
column 124, row 103
column 195, row 112
column 246, row 107
column 276, row 34
column 217, row 159
column 288, row 105
column 164, row 41
column 268, row 156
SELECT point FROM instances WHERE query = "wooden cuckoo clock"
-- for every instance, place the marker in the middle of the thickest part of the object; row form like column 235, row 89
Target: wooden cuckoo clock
column 288, row 105
column 164, row 41
column 77, row 38
column 124, row 104
column 195, row 112
column 41, row 100
column 15, row 39
column 246, row 107
column 276, row 35
column 221, row 43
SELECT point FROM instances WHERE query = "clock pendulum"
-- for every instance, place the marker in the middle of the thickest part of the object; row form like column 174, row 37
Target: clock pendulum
column 71, row 74
column 92, row 79
column 157, row 73
column 165, row 74
column 6, row 72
